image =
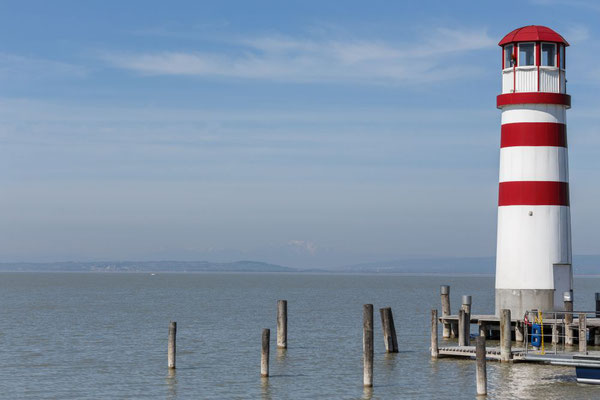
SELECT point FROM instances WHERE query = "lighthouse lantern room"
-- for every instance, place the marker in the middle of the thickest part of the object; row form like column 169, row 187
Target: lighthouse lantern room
column 533, row 258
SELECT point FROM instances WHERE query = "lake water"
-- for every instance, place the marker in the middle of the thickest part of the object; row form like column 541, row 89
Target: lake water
column 91, row 336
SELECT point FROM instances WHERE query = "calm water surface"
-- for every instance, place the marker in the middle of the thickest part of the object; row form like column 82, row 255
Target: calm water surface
column 91, row 336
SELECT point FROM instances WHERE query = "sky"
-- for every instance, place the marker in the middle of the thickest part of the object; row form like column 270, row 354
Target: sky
column 305, row 133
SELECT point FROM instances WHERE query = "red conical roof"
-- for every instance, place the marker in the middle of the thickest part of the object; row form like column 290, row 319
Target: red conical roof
column 533, row 33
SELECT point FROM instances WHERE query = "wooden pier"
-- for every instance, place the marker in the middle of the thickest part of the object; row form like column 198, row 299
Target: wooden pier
column 491, row 353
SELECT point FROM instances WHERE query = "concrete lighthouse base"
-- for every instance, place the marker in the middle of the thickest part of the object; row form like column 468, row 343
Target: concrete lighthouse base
column 518, row 301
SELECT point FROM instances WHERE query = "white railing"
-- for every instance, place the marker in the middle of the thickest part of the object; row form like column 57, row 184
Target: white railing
column 526, row 79
column 507, row 81
column 551, row 80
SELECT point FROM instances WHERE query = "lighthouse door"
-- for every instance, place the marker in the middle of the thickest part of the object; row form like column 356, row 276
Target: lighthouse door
column 562, row 283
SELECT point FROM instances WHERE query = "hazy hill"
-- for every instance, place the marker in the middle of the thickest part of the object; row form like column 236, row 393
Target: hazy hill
column 147, row 266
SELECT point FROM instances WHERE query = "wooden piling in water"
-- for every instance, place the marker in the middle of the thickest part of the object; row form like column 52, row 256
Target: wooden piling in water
column 481, row 373
column 463, row 328
column 264, row 354
column 389, row 331
column 392, row 326
column 172, row 345
column 435, row 352
column 466, row 305
column 568, row 299
column 368, row 345
column 582, row 333
column 282, row 324
column 445, row 297
column 505, row 336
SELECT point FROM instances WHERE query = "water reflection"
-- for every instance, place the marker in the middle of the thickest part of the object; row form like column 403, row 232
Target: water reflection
column 171, row 384
column 367, row 393
column 265, row 389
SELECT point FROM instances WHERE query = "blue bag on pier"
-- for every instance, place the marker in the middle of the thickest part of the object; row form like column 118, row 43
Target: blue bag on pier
column 536, row 335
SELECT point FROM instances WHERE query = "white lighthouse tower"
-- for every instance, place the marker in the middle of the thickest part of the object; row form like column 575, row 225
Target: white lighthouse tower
column 533, row 259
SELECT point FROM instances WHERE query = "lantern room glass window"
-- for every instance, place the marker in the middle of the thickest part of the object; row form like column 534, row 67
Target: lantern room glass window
column 509, row 62
column 526, row 54
column 548, row 55
column 562, row 56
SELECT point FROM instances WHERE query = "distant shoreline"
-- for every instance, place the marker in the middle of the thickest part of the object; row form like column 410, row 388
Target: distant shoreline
column 298, row 272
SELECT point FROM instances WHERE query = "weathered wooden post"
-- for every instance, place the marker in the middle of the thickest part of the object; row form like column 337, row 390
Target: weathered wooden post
column 505, row 339
column 568, row 299
column 481, row 373
column 463, row 324
column 434, row 334
column 445, row 295
column 392, row 329
column 264, row 354
column 389, row 330
column 582, row 333
column 282, row 324
column 172, row 345
column 368, row 345
column 466, row 305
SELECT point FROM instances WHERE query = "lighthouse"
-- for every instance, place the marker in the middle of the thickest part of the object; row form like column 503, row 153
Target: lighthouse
column 533, row 257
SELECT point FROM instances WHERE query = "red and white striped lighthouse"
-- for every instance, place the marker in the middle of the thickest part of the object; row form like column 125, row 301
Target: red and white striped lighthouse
column 533, row 258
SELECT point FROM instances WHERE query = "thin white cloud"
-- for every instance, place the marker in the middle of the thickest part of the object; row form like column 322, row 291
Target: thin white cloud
column 14, row 66
column 284, row 58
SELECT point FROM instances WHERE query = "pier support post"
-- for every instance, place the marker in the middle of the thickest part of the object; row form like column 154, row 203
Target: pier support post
column 481, row 373
column 463, row 328
column 282, row 324
column 434, row 334
column 368, row 345
column 582, row 333
column 466, row 305
column 389, row 330
column 568, row 299
column 505, row 339
column 264, row 354
column 519, row 331
column 172, row 345
column 445, row 296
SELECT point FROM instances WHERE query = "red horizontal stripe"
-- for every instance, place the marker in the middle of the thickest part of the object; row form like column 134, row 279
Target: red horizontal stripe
column 533, row 98
column 533, row 193
column 534, row 134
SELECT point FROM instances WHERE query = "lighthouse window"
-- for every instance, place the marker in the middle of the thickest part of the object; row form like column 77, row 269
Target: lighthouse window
column 508, row 56
column 562, row 57
column 526, row 54
column 549, row 54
